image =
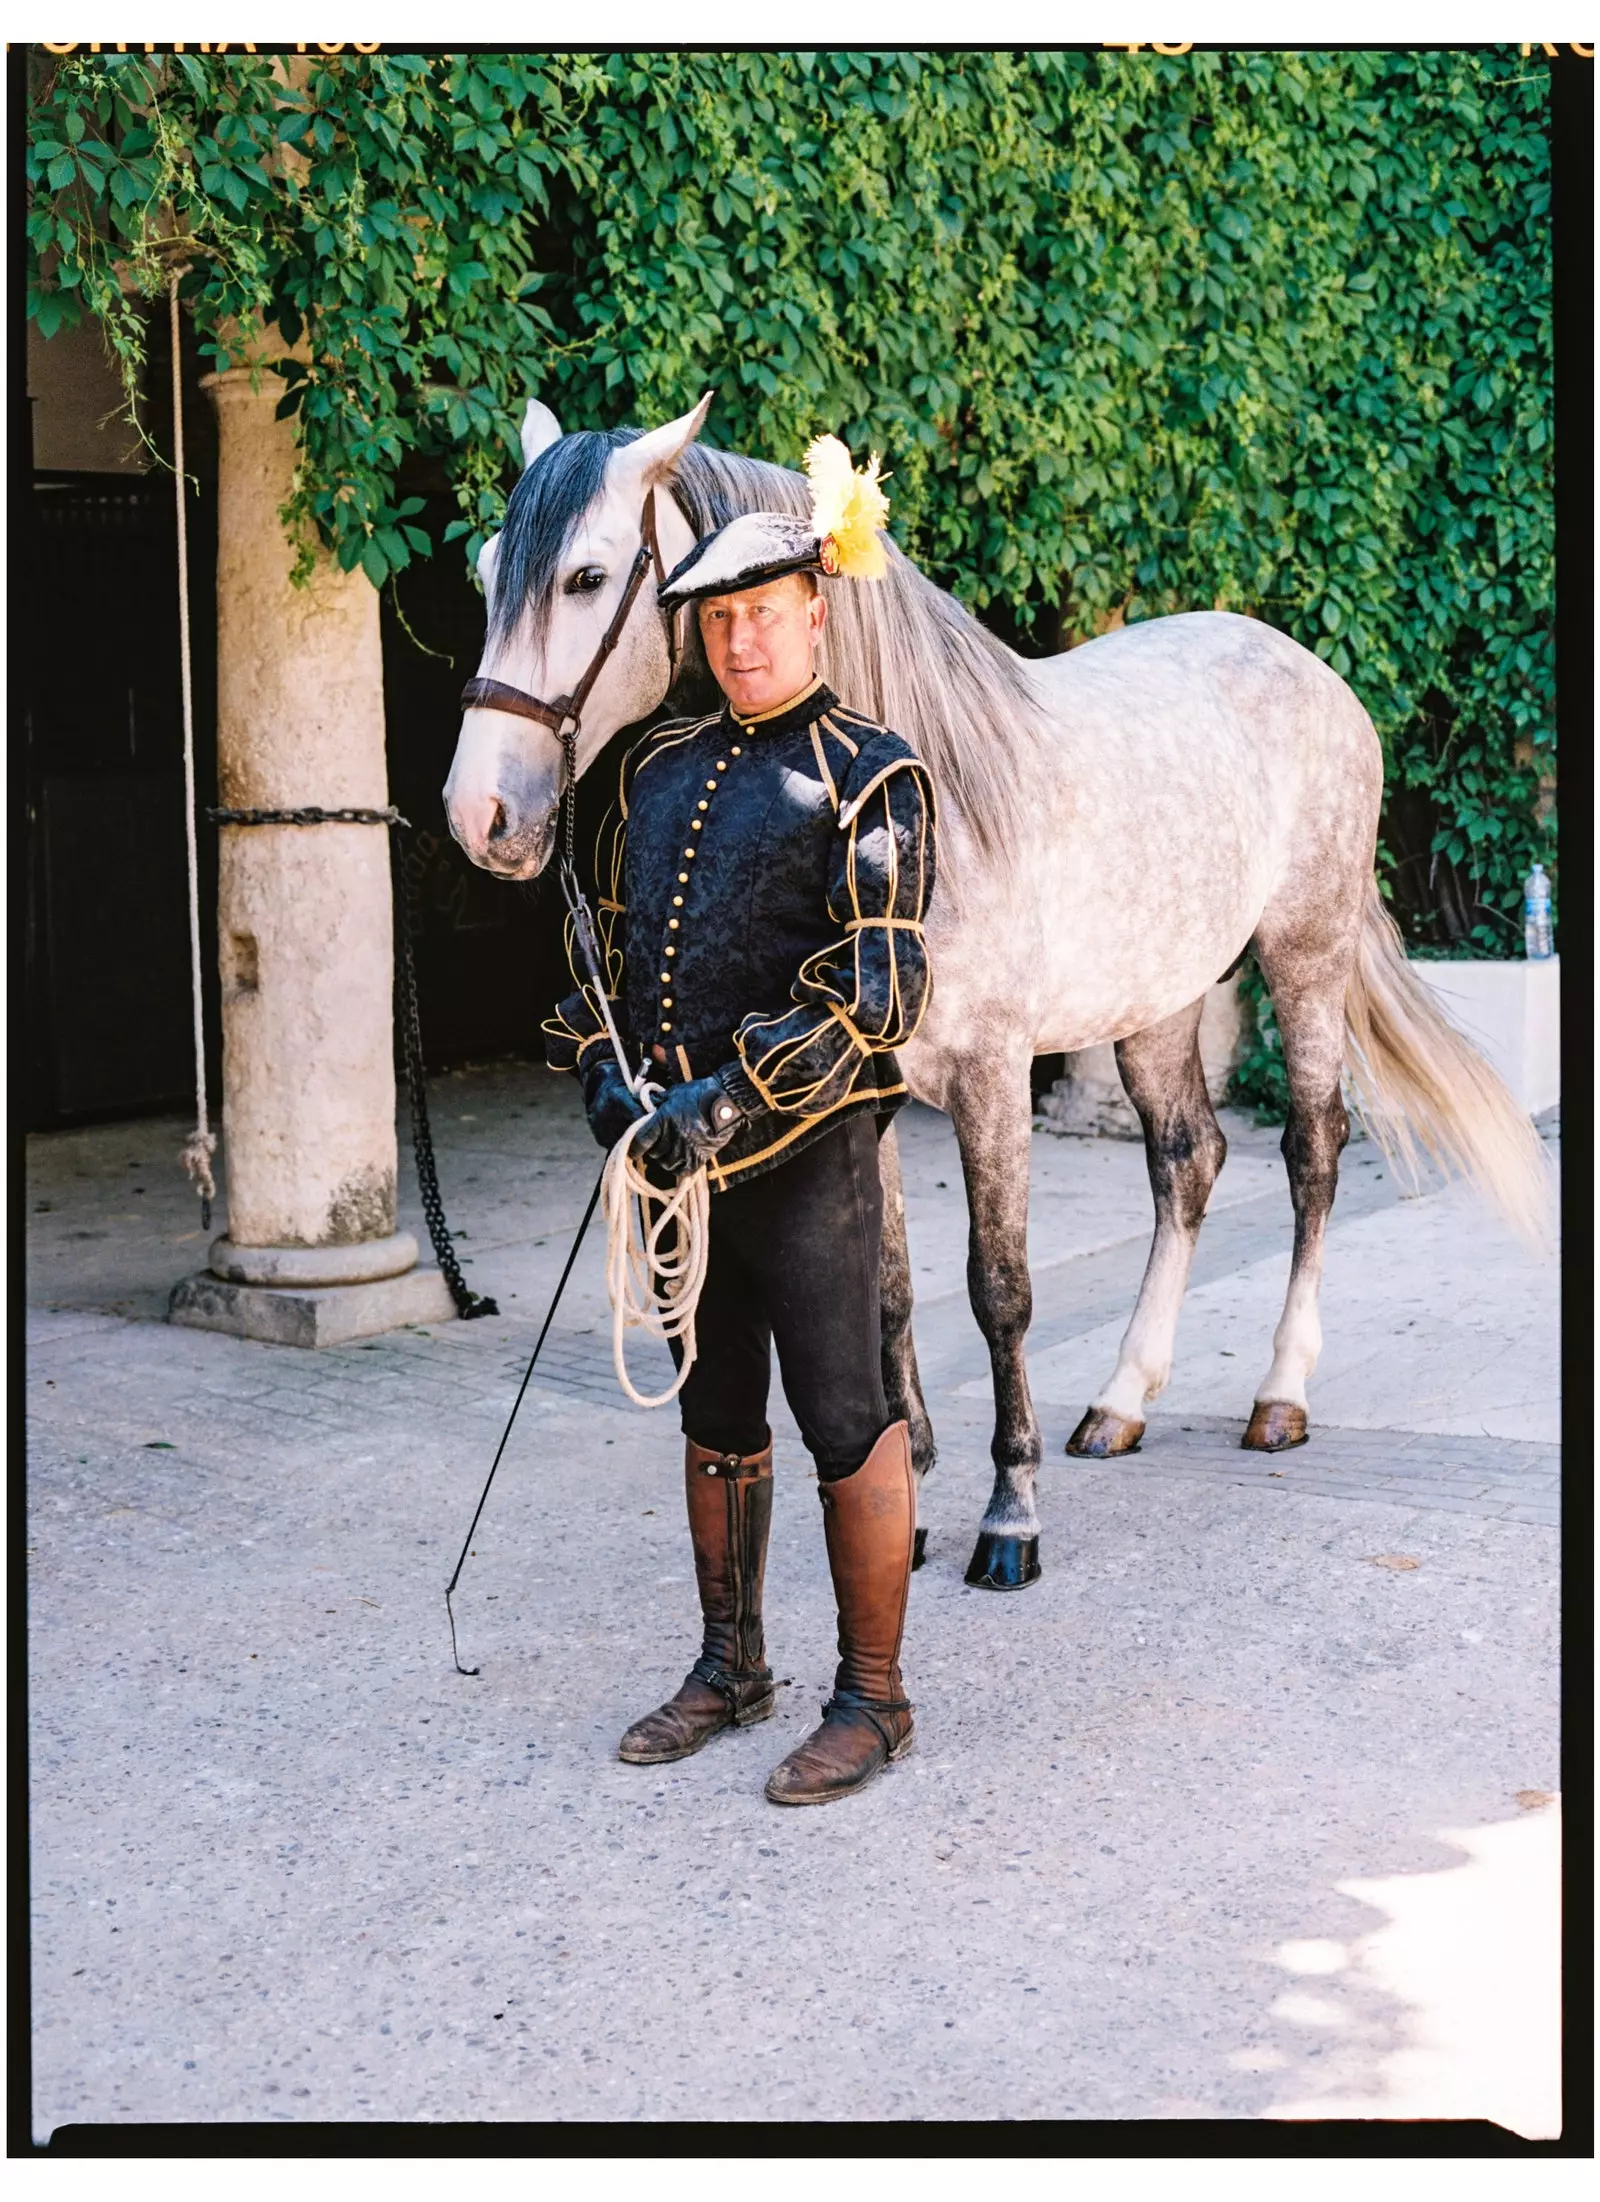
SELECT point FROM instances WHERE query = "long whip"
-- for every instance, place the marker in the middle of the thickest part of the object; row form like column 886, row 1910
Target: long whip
column 511, row 1418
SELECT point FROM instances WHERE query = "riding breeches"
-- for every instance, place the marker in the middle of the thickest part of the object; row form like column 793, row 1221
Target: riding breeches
column 793, row 1262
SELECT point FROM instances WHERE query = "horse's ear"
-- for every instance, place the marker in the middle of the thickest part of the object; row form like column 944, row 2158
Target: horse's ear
column 540, row 429
column 486, row 558
column 650, row 459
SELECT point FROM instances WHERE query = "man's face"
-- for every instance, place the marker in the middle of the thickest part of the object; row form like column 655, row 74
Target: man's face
column 759, row 642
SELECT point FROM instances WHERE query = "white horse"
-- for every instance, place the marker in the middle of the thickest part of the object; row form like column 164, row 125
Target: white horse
column 1218, row 774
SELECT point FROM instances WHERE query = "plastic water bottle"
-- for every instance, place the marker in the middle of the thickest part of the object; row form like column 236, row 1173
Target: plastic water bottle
column 1536, row 940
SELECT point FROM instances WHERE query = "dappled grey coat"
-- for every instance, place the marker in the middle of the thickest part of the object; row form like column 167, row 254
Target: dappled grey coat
column 762, row 889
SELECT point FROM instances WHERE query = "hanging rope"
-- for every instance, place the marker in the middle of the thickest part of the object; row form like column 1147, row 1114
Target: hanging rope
column 657, row 1244
column 202, row 1144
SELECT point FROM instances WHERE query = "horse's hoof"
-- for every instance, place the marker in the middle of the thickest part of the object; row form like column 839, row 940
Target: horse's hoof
column 1101, row 1435
column 1275, row 1427
column 919, row 1551
column 1004, row 1563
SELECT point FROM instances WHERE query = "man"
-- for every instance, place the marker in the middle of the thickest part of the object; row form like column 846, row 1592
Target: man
column 763, row 882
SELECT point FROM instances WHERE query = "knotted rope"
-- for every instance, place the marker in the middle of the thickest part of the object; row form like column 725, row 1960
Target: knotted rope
column 657, row 1245
column 202, row 1143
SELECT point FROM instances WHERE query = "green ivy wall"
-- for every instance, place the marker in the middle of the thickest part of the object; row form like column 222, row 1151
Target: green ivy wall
column 1134, row 334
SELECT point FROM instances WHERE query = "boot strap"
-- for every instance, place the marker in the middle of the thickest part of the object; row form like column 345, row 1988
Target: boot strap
column 737, row 1467
column 847, row 1701
column 728, row 1680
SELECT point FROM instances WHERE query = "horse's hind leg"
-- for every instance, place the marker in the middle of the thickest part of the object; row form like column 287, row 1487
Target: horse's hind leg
column 901, row 1382
column 1308, row 990
column 991, row 1107
column 1184, row 1150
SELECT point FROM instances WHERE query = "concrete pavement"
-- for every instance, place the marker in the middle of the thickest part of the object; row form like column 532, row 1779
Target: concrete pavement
column 288, row 1865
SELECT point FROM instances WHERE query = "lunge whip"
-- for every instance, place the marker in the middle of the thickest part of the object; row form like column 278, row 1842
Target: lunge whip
column 505, row 1434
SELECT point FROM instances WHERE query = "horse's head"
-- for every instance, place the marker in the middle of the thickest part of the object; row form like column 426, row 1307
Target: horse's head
column 554, row 578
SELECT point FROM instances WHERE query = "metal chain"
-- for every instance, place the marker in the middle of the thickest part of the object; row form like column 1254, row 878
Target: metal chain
column 569, row 794
column 469, row 1304
column 308, row 815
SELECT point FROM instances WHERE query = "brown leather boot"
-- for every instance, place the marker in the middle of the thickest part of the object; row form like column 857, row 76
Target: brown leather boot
column 730, row 1684
column 871, row 1524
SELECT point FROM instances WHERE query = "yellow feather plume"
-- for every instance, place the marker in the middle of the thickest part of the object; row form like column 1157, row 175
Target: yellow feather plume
column 848, row 509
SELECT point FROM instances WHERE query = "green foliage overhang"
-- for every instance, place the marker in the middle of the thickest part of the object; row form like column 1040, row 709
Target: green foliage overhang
column 1134, row 333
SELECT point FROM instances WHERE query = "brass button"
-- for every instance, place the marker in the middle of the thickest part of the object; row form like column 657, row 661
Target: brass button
column 671, row 951
column 688, row 852
column 666, row 1001
column 736, row 749
column 712, row 785
column 701, row 805
column 665, row 977
column 722, row 764
column 683, row 879
column 677, row 902
column 666, row 1024
column 673, row 923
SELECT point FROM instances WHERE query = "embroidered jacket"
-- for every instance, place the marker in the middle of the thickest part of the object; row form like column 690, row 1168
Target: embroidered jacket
column 762, row 889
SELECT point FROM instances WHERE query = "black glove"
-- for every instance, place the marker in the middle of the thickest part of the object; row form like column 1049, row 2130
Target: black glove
column 606, row 1096
column 691, row 1123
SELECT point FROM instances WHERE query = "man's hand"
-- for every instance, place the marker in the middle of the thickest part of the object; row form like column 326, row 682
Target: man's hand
column 692, row 1123
column 609, row 1100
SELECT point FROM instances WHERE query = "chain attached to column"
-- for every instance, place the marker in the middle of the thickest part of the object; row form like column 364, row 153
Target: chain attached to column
column 469, row 1304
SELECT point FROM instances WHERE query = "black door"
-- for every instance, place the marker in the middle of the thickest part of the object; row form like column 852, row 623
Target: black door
column 108, row 984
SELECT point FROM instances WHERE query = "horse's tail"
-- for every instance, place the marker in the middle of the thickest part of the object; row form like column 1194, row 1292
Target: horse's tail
column 1415, row 1078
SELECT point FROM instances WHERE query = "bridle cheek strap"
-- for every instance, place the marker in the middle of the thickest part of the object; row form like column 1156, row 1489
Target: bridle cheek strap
column 499, row 695
column 564, row 715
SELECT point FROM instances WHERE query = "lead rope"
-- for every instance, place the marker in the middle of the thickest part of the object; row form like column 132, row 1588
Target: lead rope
column 202, row 1144
column 657, row 1240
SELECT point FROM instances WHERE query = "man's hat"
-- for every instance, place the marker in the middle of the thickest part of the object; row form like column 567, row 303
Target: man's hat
column 842, row 536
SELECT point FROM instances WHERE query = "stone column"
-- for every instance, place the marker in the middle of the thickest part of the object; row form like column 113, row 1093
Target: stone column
column 305, row 938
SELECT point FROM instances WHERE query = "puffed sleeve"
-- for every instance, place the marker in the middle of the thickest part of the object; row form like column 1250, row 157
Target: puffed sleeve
column 867, row 990
column 577, row 1022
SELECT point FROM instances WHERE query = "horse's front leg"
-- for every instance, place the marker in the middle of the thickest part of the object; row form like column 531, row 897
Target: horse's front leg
column 1184, row 1149
column 902, row 1383
column 991, row 1106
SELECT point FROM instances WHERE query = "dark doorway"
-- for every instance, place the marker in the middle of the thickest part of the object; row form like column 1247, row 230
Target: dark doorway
column 107, row 970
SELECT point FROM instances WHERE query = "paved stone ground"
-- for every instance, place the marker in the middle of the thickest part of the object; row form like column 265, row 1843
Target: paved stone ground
column 287, row 1864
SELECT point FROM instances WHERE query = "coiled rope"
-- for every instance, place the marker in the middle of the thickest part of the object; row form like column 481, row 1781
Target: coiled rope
column 657, row 1245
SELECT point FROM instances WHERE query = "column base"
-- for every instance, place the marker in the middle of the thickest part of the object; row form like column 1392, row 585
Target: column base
column 309, row 1315
column 366, row 1262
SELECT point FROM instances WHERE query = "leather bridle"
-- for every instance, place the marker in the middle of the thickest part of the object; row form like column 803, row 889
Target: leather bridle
column 563, row 715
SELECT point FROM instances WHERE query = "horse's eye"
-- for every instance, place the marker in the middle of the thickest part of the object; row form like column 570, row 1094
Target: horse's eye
column 586, row 580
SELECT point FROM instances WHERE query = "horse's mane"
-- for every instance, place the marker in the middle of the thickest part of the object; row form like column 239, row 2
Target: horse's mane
column 898, row 650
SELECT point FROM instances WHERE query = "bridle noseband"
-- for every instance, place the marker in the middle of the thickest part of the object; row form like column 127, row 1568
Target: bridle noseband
column 564, row 715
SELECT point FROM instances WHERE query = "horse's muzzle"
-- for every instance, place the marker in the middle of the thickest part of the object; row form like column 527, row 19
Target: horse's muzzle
column 513, row 847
